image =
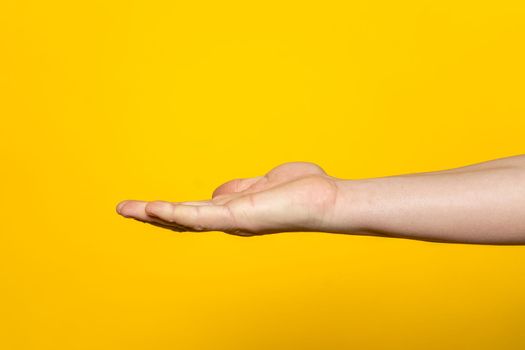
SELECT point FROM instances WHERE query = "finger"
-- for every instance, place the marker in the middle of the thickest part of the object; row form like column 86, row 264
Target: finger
column 169, row 227
column 236, row 185
column 204, row 202
column 201, row 217
column 137, row 210
column 133, row 209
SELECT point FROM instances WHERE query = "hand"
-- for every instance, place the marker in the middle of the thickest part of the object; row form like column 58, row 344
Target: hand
column 295, row 196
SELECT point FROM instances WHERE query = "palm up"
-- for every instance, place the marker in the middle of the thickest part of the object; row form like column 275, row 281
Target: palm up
column 295, row 196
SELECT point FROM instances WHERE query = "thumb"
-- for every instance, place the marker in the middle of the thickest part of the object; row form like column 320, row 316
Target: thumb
column 235, row 186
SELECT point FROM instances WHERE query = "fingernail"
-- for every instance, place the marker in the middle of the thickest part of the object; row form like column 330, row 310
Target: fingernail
column 120, row 205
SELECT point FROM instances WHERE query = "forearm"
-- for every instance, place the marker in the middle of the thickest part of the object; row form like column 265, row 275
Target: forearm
column 482, row 203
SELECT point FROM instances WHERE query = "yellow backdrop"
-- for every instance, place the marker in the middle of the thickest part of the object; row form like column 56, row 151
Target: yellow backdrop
column 109, row 100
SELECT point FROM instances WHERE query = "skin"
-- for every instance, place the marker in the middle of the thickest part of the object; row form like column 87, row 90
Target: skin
column 483, row 203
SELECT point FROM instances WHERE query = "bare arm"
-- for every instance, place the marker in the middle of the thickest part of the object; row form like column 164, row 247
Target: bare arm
column 479, row 203
column 482, row 203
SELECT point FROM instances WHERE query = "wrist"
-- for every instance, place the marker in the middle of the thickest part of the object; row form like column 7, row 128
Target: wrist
column 353, row 207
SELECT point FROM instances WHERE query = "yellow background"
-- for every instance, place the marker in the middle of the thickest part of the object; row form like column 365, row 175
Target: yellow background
column 109, row 100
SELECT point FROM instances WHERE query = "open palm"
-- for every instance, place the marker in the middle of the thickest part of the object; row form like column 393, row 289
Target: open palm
column 294, row 196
